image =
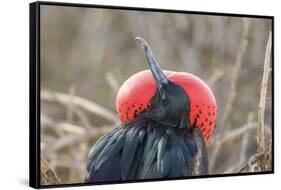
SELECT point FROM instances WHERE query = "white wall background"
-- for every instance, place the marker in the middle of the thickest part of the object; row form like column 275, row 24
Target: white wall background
column 14, row 73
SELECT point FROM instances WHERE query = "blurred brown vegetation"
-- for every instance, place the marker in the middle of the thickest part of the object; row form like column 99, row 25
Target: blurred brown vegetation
column 87, row 53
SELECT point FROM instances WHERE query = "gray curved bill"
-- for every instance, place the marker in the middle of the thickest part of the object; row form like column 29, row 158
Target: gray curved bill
column 159, row 76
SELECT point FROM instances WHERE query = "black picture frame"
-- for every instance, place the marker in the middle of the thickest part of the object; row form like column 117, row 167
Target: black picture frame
column 34, row 82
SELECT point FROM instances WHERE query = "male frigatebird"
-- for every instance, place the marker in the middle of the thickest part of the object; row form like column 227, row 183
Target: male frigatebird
column 166, row 118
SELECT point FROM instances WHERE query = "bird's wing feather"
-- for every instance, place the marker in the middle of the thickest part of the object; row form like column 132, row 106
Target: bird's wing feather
column 142, row 150
column 115, row 153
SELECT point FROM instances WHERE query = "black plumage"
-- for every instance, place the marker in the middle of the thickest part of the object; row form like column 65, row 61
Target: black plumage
column 146, row 149
column 158, row 143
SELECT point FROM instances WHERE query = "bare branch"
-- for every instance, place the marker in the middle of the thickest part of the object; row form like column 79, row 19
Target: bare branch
column 235, row 72
column 261, row 106
column 65, row 99
column 232, row 92
column 70, row 107
column 69, row 140
column 245, row 140
column 112, row 81
column 262, row 160
column 71, row 128
column 233, row 134
column 215, row 77
column 256, row 163
column 48, row 175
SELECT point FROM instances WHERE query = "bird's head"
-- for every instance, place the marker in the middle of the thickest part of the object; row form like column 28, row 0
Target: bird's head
column 175, row 99
column 170, row 104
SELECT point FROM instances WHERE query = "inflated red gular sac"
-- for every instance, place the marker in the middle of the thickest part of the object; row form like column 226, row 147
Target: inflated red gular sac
column 203, row 108
column 167, row 119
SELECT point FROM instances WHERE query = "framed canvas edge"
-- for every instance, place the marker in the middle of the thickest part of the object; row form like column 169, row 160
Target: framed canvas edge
column 34, row 95
column 34, row 92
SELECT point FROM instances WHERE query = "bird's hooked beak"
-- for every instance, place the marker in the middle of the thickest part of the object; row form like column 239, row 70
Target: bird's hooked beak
column 159, row 76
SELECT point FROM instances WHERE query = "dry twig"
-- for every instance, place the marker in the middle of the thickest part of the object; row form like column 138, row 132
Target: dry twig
column 257, row 163
column 261, row 106
column 112, row 81
column 215, row 77
column 70, row 107
column 232, row 92
column 262, row 160
column 69, row 140
column 219, row 140
column 48, row 175
column 245, row 140
column 65, row 99
column 235, row 72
